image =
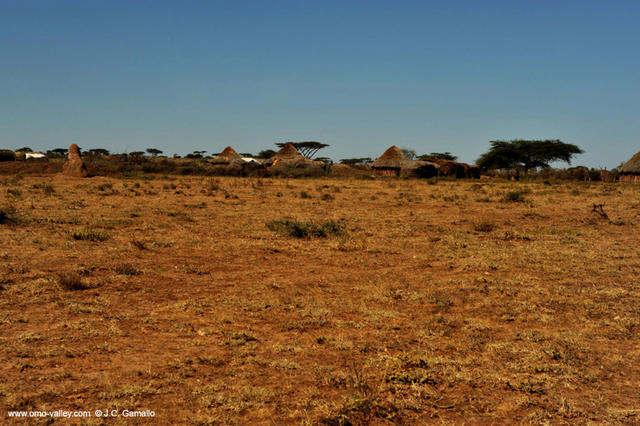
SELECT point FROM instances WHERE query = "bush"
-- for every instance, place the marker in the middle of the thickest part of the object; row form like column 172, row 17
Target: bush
column 484, row 226
column 71, row 281
column 7, row 215
column 513, row 197
column 126, row 269
column 89, row 235
column 297, row 229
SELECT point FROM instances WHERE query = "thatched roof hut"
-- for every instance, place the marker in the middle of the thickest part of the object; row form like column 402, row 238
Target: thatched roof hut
column 390, row 162
column 630, row 171
column 419, row 168
column 449, row 168
column 287, row 152
column 288, row 161
column 227, row 156
column 393, row 162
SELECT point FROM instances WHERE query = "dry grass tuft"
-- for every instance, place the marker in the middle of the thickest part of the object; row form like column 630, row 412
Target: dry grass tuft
column 71, row 281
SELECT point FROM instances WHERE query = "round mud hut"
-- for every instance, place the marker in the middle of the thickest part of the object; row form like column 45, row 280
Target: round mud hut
column 226, row 157
column 393, row 162
column 287, row 153
column 630, row 171
column 390, row 163
column 289, row 162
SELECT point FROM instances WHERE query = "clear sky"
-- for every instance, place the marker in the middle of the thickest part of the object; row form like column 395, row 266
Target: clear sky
column 359, row 75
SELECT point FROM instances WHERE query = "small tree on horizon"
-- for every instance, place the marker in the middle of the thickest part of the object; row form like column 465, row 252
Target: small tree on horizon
column 266, row 153
column 526, row 154
column 356, row 161
column 99, row 151
column 154, row 152
column 409, row 153
column 439, row 156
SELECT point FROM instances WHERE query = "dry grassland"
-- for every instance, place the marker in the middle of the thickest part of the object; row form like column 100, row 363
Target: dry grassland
column 477, row 302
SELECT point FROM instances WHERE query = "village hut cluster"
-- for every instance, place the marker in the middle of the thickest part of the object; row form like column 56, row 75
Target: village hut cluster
column 394, row 162
column 286, row 159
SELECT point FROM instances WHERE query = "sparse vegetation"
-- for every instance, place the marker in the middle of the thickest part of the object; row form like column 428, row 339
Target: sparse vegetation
column 71, row 281
column 513, row 197
column 298, row 229
column 89, row 234
column 422, row 303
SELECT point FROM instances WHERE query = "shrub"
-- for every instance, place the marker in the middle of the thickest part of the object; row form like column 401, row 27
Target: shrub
column 513, row 197
column 7, row 215
column 71, row 281
column 46, row 188
column 298, row 229
column 484, row 226
column 89, row 235
column 126, row 269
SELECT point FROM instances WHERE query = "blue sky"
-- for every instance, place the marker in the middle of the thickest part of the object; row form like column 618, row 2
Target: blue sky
column 359, row 75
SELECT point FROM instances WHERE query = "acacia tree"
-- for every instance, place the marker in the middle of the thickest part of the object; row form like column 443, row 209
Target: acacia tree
column 526, row 154
column 98, row 152
column 58, row 152
column 265, row 153
column 439, row 156
column 307, row 149
column 153, row 151
column 356, row 161
column 409, row 153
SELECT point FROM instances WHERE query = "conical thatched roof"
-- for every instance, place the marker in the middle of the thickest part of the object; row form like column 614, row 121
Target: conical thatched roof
column 287, row 152
column 393, row 158
column 226, row 156
column 632, row 166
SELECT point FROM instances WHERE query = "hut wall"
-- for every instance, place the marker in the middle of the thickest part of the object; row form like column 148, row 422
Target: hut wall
column 629, row 178
column 386, row 172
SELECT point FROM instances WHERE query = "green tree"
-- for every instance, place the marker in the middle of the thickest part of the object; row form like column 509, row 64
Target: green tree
column 58, row 152
column 526, row 154
column 356, row 161
column 153, row 151
column 439, row 156
column 195, row 154
column 24, row 149
column 99, row 152
column 266, row 153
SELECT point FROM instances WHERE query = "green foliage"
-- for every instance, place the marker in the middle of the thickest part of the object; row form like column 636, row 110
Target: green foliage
column 96, row 151
column 524, row 154
column 266, row 153
column 307, row 230
column 438, row 156
column 356, row 161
